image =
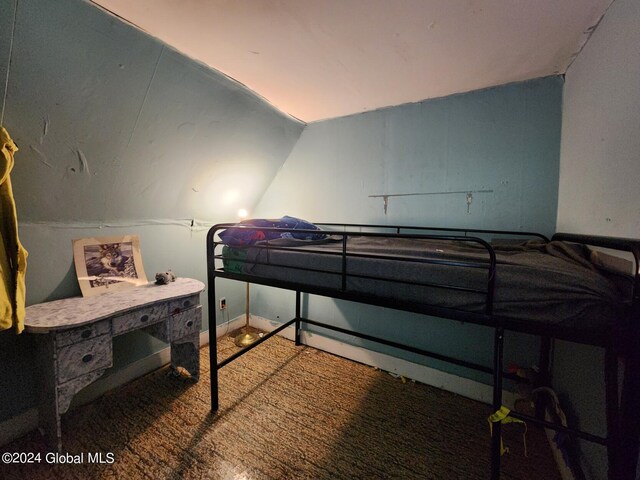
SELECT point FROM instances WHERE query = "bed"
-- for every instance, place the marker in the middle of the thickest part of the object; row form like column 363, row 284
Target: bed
column 521, row 281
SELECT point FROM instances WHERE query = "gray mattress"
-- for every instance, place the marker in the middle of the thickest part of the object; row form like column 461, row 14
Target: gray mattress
column 551, row 283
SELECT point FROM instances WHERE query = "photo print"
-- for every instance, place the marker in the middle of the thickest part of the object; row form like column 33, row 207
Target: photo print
column 108, row 263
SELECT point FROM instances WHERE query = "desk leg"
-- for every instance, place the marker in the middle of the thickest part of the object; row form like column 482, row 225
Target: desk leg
column 185, row 353
column 48, row 408
column 68, row 390
column 55, row 398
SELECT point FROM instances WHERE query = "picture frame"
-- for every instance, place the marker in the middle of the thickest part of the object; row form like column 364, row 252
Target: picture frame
column 106, row 264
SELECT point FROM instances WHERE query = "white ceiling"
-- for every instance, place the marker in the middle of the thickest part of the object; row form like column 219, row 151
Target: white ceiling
column 317, row 59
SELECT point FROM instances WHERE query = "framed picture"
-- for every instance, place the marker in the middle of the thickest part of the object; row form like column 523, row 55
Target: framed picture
column 105, row 264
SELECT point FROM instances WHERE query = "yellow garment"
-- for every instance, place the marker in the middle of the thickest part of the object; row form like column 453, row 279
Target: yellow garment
column 502, row 416
column 13, row 256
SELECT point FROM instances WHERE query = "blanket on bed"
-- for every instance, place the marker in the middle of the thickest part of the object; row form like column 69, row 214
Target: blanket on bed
column 242, row 237
column 553, row 283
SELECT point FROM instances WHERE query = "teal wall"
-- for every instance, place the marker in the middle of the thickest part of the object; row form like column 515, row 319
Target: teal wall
column 503, row 139
column 118, row 133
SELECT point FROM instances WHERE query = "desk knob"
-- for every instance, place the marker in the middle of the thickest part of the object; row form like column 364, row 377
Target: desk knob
column 144, row 318
column 189, row 323
column 87, row 358
column 86, row 333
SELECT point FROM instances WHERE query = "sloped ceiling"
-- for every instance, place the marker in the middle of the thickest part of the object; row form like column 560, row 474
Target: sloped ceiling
column 318, row 59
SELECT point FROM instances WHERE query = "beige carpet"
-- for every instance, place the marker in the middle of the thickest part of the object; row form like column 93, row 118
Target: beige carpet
column 286, row 412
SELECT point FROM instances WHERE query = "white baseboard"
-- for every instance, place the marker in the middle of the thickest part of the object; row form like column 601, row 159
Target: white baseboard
column 27, row 421
column 430, row 376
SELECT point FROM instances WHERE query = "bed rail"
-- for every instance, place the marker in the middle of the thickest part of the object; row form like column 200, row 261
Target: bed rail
column 464, row 231
column 345, row 254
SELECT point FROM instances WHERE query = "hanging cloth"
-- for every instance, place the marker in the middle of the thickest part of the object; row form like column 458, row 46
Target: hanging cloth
column 502, row 416
column 13, row 256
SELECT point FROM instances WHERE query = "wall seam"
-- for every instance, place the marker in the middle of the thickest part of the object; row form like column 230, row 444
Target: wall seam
column 144, row 100
column 6, row 82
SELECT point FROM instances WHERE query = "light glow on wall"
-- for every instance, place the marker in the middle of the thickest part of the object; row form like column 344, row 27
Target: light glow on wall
column 230, row 197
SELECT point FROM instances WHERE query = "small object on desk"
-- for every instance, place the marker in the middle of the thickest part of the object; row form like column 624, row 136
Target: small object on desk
column 163, row 278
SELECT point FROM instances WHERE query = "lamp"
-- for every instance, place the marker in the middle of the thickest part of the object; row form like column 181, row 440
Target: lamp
column 245, row 338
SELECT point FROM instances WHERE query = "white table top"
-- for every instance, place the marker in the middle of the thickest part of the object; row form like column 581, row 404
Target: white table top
column 77, row 311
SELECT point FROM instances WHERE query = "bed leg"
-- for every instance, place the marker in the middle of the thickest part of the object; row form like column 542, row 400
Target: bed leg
column 612, row 409
column 627, row 457
column 213, row 346
column 297, row 327
column 498, row 344
column 544, row 375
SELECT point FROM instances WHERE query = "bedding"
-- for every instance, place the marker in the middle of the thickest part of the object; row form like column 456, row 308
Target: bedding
column 552, row 283
column 238, row 236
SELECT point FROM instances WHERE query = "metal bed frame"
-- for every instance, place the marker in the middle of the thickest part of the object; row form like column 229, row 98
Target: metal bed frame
column 623, row 421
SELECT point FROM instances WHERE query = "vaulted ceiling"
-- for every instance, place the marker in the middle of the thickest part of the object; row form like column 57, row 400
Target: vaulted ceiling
column 318, row 59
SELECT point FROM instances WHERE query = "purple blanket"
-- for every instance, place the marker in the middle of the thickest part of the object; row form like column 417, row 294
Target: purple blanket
column 241, row 237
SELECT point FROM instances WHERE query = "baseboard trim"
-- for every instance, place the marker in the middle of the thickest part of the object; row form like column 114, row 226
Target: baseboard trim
column 420, row 373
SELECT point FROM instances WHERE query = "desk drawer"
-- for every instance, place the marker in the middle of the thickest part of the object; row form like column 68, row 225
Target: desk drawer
column 85, row 332
column 178, row 325
column 139, row 318
column 84, row 357
column 180, row 304
column 184, row 323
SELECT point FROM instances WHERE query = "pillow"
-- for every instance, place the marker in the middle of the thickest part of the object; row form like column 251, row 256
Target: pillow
column 611, row 263
column 298, row 224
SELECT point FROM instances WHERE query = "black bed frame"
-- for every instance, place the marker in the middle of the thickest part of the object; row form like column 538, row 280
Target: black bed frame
column 622, row 407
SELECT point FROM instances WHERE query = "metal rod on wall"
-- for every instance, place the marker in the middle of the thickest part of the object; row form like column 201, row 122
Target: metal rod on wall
column 468, row 193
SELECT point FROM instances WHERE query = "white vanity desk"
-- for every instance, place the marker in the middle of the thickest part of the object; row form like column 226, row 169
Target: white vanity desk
column 74, row 338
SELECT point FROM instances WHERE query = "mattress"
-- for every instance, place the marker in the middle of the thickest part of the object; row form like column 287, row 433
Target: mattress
column 552, row 283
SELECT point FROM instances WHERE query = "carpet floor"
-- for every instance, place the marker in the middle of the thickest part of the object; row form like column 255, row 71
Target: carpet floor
column 286, row 412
